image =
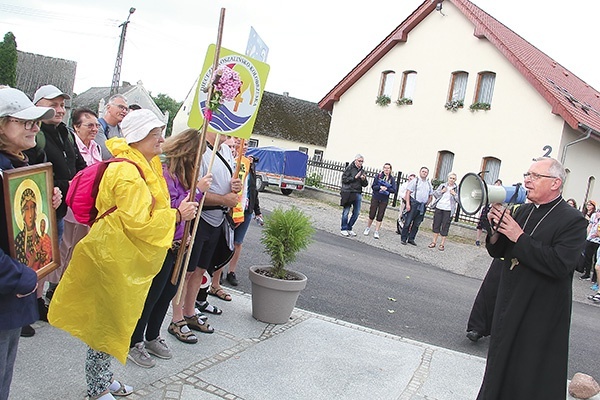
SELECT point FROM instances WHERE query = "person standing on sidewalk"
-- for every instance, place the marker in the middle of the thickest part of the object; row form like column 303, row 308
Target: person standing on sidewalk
column 384, row 184
column 418, row 194
column 591, row 245
column 115, row 110
column 115, row 275
column 251, row 206
column 529, row 347
column 354, row 179
column 444, row 209
column 19, row 123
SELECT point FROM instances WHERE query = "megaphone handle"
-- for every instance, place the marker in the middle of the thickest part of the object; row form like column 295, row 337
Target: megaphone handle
column 511, row 201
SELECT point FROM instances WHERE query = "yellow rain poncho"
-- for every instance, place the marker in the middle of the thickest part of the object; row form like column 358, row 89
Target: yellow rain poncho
column 102, row 293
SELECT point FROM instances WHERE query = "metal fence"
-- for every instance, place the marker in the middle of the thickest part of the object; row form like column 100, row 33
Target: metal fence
column 327, row 174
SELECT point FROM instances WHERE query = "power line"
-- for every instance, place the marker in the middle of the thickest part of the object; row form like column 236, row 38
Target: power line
column 44, row 14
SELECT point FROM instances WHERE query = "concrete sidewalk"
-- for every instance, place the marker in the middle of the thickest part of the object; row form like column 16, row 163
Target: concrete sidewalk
column 310, row 357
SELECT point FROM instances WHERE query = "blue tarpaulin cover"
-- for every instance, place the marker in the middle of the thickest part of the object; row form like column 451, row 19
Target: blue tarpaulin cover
column 276, row 160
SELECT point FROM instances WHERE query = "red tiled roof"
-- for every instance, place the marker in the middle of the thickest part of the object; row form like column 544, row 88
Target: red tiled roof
column 570, row 97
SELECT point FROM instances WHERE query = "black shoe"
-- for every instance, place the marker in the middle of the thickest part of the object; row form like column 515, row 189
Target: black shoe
column 27, row 331
column 231, row 278
column 403, row 242
column 584, row 277
column 42, row 309
column 474, row 336
column 412, row 242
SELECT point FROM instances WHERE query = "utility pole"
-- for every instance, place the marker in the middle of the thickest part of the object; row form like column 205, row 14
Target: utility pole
column 117, row 73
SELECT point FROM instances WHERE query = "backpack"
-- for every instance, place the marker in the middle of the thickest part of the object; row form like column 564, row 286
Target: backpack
column 83, row 190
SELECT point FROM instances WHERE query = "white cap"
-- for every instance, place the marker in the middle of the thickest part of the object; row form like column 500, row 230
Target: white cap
column 48, row 92
column 14, row 103
column 137, row 124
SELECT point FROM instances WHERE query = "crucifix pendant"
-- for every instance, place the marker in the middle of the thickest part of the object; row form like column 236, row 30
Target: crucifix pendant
column 514, row 262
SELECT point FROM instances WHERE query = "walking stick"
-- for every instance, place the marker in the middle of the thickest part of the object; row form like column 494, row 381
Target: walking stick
column 178, row 270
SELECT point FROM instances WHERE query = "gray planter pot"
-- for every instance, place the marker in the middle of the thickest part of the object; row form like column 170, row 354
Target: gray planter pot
column 273, row 300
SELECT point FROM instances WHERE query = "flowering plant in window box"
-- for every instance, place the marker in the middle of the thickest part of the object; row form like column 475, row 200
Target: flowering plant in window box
column 404, row 101
column 454, row 105
column 480, row 106
column 383, row 100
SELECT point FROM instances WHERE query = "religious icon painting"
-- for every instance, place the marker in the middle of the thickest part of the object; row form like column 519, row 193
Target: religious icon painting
column 30, row 218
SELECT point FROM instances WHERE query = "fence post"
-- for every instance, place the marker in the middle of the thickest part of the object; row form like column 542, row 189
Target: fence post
column 395, row 199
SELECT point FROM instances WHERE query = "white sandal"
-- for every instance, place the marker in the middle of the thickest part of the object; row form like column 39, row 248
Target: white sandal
column 123, row 390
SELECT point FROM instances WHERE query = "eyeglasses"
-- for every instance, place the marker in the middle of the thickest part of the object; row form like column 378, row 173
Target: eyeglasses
column 120, row 107
column 535, row 176
column 91, row 125
column 28, row 124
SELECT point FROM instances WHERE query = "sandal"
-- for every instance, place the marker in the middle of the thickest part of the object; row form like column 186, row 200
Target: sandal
column 431, row 245
column 595, row 297
column 123, row 390
column 185, row 337
column 197, row 324
column 209, row 308
column 441, row 247
column 220, row 293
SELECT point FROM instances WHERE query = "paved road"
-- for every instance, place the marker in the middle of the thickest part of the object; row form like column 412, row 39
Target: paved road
column 353, row 280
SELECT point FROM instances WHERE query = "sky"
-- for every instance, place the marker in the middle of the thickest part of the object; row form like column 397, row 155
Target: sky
column 312, row 44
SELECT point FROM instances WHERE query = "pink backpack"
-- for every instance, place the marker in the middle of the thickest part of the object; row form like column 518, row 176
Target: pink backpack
column 83, row 190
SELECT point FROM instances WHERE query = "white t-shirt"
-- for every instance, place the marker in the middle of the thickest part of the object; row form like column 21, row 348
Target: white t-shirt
column 221, row 183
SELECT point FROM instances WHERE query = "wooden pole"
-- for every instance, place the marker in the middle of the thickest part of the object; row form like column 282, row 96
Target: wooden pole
column 179, row 269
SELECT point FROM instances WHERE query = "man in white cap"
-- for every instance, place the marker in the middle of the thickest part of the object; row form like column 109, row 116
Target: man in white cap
column 115, row 110
column 55, row 144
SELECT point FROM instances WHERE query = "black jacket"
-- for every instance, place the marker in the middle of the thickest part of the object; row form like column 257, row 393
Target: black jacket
column 253, row 204
column 56, row 144
column 349, row 181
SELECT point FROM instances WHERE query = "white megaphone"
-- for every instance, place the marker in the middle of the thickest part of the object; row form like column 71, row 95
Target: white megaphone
column 474, row 193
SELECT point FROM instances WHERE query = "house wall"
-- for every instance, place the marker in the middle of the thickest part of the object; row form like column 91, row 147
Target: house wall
column 516, row 129
column 583, row 166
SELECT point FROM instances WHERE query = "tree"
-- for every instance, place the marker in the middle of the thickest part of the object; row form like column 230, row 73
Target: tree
column 8, row 60
column 166, row 103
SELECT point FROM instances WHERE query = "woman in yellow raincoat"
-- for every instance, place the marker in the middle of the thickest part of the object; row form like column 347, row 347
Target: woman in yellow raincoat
column 102, row 293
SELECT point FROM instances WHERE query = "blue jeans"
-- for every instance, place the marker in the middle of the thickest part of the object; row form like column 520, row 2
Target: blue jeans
column 9, row 341
column 412, row 222
column 347, row 225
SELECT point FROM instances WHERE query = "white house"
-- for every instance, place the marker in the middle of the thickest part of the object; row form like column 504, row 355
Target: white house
column 437, row 66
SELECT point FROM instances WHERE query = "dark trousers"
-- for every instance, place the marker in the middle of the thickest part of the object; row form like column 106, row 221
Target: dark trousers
column 157, row 303
column 589, row 255
column 411, row 224
column 482, row 313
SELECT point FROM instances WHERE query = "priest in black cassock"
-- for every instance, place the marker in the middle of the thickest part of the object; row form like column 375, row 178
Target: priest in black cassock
column 529, row 345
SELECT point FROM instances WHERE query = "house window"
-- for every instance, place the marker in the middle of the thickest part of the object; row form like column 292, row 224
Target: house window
column 444, row 165
column 490, row 170
column 485, row 87
column 252, row 142
column 458, row 86
column 318, row 156
column 409, row 83
column 303, row 149
column 387, row 83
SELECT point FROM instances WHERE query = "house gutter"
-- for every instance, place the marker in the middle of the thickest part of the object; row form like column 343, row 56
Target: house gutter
column 588, row 134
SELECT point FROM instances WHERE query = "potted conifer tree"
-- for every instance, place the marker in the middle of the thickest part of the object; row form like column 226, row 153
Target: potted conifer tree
column 275, row 289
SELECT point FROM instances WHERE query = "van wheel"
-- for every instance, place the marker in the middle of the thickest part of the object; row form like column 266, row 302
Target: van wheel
column 287, row 192
column 260, row 185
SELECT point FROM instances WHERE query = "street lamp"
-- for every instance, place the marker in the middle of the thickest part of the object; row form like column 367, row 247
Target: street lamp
column 117, row 72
